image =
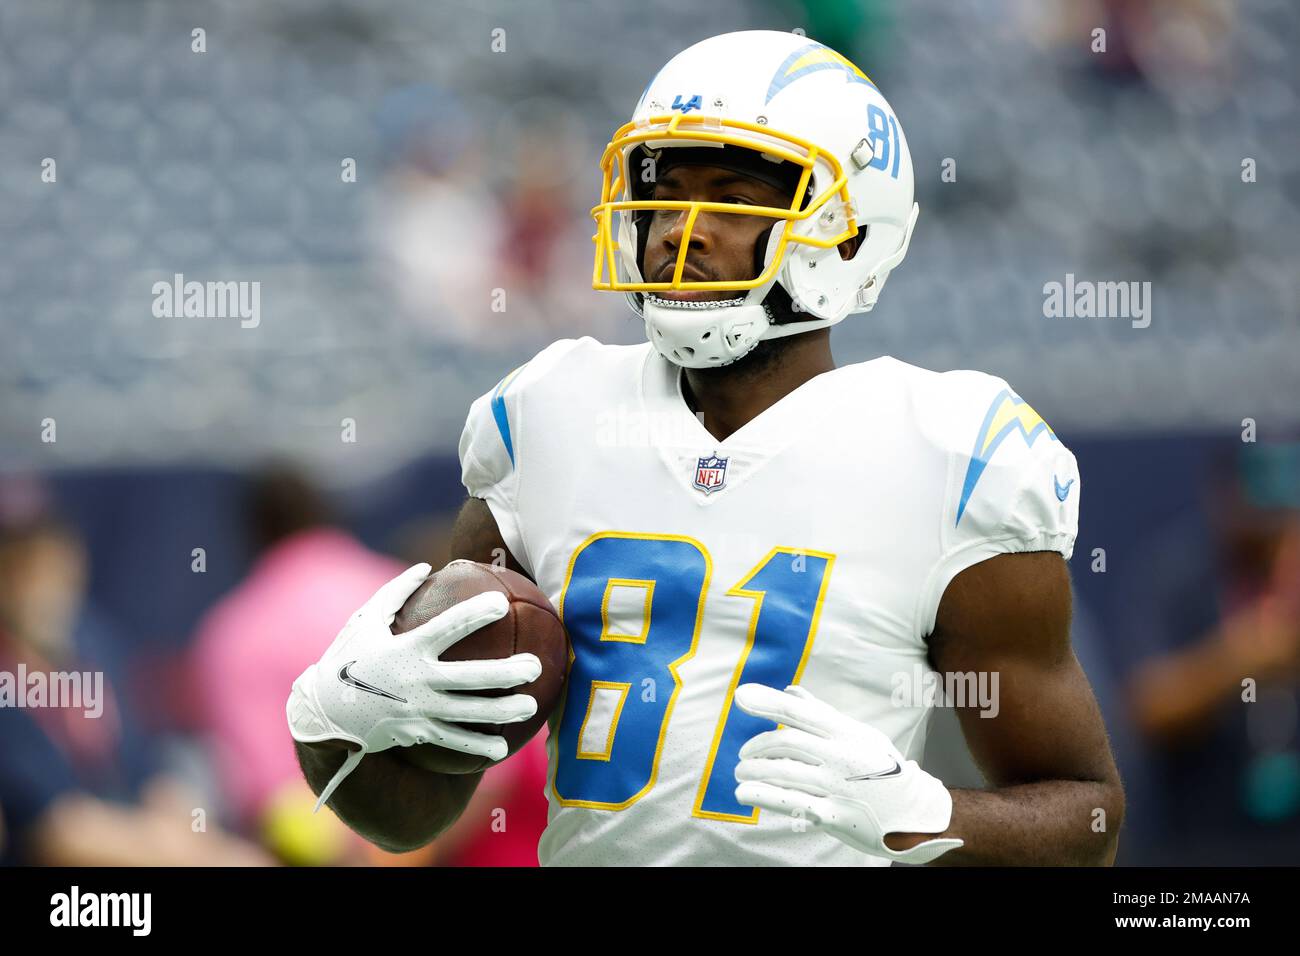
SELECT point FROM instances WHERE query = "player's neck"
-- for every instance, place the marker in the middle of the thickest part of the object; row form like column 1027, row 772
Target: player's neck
column 731, row 396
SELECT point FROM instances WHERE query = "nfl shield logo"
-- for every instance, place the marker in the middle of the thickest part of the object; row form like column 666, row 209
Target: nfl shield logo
column 710, row 474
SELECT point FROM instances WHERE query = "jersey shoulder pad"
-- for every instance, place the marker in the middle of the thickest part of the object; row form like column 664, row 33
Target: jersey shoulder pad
column 490, row 442
column 1011, row 483
column 1010, row 475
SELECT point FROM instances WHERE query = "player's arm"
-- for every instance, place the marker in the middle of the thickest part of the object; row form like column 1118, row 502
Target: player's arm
column 392, row 803
column 387, row 799
column 1057, row 797
column 476, row 537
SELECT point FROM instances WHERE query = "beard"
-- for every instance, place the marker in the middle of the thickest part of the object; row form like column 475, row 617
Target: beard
column 759, row 362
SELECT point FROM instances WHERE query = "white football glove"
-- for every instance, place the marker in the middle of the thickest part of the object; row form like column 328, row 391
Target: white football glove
column 378, row 690
column 846, row 777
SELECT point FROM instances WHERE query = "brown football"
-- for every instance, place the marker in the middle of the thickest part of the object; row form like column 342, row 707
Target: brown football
column 530, row 626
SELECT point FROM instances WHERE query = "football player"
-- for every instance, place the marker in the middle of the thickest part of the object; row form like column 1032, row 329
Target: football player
column 757, row 555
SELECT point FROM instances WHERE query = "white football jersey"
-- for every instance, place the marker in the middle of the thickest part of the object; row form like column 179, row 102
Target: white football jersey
column 811, row 546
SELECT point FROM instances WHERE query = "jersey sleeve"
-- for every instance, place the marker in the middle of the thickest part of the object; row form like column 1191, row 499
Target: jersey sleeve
column 1012, row 485
column 494, row 445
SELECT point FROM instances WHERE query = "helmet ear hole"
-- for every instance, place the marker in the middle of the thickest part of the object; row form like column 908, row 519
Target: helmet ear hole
column 861, row 240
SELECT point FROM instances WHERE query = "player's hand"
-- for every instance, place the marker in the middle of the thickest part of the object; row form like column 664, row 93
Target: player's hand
column 846, row 777
column 377, row 690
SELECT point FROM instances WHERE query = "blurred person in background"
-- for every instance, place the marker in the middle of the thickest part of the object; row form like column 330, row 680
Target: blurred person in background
column 436, row 227
column 546, row 234
column 307, row 576
column 1181, row 50
column 1214, row 681
column 479, row 255
column 78, row 784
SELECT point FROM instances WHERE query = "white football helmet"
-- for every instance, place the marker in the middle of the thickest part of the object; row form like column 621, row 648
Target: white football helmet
column 790, row 99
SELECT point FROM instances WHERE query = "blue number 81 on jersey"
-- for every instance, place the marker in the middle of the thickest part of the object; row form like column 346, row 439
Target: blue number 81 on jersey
column 610, row 736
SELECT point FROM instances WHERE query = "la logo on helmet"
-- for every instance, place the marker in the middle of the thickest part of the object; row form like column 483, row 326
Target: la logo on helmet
column 694, row 103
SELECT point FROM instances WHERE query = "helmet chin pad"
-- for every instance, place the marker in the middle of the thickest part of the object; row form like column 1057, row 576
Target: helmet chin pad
column 703, row 335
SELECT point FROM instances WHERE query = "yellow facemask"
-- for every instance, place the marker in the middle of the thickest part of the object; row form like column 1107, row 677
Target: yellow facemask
column 831, row 205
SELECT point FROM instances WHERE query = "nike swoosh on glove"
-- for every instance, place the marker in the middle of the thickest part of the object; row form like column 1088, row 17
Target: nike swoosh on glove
column 379, row 690
column 846, row 777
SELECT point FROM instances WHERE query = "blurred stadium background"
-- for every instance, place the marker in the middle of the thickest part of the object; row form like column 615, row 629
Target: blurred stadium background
column 475, row 171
